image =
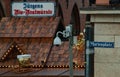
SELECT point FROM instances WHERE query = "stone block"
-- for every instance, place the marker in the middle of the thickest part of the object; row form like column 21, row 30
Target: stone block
column 107, row 70
column 117, row 41
column 116, row 18
column 104, row 38
column 102, row 18
column 107, row 29
column 107, row 55
column 105, row 18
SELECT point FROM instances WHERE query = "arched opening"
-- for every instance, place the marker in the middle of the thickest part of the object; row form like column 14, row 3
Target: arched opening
column 78, row 38
column 60, row 13
column 61, row 26
column 2, row 14
column 75, row 20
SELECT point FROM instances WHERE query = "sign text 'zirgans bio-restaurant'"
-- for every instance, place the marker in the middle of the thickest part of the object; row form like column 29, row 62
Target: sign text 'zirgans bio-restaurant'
column 33, row 9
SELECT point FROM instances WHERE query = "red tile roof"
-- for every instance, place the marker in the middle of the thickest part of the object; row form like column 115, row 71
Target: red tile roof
column 60, row 55
column 15, row 31
column 41, row 48
column 38, row 48
column 28, row 27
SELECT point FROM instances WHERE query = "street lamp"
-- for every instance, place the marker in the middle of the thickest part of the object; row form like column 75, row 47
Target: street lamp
column 67, row 33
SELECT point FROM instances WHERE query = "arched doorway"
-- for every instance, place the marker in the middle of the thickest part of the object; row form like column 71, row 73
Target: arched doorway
column 79, row 41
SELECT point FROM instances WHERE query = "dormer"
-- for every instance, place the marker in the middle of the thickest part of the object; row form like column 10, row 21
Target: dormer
column 11, row 52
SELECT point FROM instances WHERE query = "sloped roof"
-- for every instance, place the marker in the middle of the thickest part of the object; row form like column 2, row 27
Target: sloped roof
column 40, row 48
column 39, row 30
column 60, row 55
column 28, row 27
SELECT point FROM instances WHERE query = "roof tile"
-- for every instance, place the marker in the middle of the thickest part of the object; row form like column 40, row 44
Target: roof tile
column 38, row 48
column 5, row 19
column 60, row 55
column 28, row 27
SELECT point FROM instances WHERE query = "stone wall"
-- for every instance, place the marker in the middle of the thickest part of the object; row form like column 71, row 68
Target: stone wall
column 107, row 60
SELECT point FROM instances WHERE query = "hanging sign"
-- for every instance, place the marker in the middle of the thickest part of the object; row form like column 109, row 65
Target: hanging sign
column 33, row 9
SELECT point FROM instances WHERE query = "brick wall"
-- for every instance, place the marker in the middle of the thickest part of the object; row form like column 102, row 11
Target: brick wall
column 102, row 2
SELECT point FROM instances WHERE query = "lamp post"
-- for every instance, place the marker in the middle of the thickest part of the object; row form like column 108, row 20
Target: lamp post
column 67, row 33
column 71, row 54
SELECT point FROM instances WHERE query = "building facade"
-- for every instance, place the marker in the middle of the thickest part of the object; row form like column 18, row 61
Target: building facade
column 104, row 17
column 27, row 35
column 68, row 10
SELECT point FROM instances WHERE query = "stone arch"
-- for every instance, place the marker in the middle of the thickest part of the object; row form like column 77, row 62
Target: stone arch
column 75, row 20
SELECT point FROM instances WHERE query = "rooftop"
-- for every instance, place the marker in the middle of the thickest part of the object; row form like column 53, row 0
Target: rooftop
column 35, row 36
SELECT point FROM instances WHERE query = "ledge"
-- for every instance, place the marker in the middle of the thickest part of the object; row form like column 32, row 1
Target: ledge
column 100, row 10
